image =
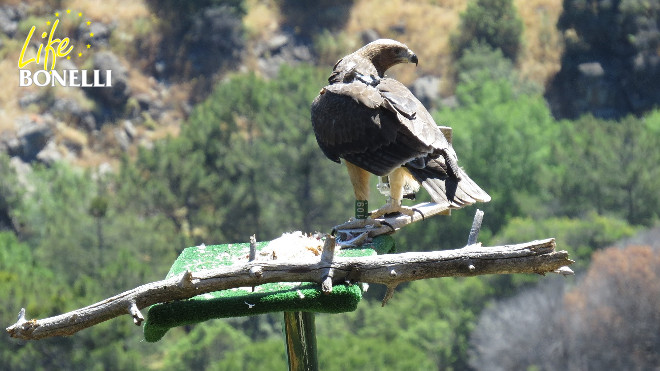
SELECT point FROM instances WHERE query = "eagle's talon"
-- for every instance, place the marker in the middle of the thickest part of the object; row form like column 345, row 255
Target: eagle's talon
column 419, row 211
column 391, row 208
column 389, row 225
column 351, row 241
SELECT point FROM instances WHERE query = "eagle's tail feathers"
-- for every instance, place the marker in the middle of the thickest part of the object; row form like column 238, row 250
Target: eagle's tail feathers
column 448, row 191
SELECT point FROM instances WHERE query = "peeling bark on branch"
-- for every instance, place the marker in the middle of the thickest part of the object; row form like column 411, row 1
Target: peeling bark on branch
column 389, row 269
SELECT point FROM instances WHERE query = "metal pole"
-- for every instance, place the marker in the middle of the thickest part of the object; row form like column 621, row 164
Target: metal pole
column 300, row 337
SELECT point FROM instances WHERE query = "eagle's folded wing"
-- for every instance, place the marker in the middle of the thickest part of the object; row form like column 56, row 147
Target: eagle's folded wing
column 353, row 121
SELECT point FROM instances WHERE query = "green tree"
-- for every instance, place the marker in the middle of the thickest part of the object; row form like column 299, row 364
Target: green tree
column 492, row 22
column 609, row 166
column 27, row 282
column 10, row 193
column 579, row 236
column 482, row 62
column 53, row 219
column 216, row 345
column 426, row 322
column 55, row 264
column 503, row 142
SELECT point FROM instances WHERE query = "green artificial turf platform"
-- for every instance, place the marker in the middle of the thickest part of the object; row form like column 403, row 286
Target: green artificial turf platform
column 269, row 297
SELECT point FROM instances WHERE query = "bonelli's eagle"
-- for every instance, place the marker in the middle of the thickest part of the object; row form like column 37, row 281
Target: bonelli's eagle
column 377, row 126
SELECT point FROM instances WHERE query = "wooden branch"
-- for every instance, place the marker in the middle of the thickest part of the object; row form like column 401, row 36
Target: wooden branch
column 389, row 269
column 327, row 256
column 356, row 236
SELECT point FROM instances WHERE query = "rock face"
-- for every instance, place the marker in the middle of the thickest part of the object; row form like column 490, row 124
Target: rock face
column 9, row 18
column 310, row 17
column 281, row 48
column 427, row 90
column 101, row 33
column 604, row 88
column 70, row 111
column 587, row 88
column 32, row 138
column 215, row 40
column 116, row 96
column 611, row 65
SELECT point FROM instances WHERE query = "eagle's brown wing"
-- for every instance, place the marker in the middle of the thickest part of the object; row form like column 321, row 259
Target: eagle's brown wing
column 355, row 121
column 432, row 170
column 413, row 115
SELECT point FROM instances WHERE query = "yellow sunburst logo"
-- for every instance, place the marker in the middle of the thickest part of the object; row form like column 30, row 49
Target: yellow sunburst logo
column 52, row 47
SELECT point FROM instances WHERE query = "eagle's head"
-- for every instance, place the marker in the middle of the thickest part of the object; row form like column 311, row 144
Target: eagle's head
column 385, row 53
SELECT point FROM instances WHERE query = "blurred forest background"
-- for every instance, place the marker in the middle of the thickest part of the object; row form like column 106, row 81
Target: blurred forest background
column 205, row 137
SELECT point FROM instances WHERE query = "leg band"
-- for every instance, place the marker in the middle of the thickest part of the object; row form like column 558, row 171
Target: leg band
column 361, row 209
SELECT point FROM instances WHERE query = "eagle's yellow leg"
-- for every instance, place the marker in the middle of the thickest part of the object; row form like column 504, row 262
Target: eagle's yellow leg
column 398, row 179
column 360, row 181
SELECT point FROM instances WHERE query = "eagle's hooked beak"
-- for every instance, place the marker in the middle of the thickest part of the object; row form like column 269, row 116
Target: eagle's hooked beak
column 413, row 59
column 405, row 55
